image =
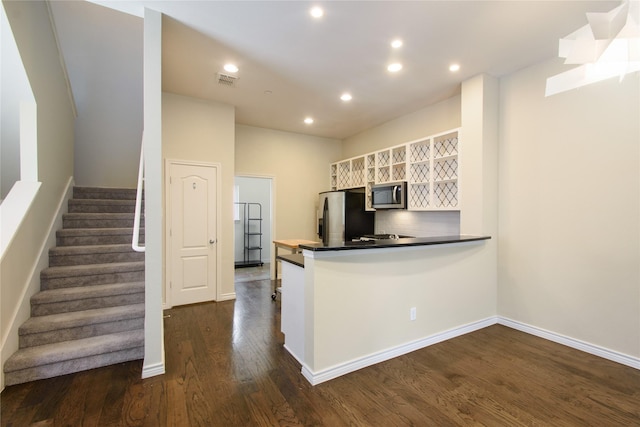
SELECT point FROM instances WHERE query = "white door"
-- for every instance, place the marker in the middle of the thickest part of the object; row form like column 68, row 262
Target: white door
column 192, row 233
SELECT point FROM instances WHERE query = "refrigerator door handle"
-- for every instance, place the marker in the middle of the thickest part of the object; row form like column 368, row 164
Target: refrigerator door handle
column 325, row 221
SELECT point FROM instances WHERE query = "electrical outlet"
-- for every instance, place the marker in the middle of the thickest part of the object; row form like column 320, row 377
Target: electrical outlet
column 412, row 313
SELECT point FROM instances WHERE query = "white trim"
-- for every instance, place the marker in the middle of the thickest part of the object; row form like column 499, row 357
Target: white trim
column 596, row 350
column 295, row 357
column 226, row 297
column 336, row 371
column 13, row 210
column 153, row 370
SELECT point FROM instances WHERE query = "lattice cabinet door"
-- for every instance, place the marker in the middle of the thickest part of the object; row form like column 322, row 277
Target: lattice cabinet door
column 370, row 160
column 344, row 174
column 383, row 164
column 433, row 173
column 333, row 176
column 419, row 191
column 445, row 171
column 348, row 173
column 399, row 163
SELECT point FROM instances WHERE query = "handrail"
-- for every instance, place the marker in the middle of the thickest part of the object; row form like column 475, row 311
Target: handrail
column 135, row 239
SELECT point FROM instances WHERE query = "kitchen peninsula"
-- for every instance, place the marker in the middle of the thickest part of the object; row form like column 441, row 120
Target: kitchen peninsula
column 348, row 305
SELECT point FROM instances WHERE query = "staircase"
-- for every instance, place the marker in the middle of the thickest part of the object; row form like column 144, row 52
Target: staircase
column 90, row 310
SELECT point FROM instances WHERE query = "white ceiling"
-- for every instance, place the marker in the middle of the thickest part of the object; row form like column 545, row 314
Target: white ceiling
column 306, row 64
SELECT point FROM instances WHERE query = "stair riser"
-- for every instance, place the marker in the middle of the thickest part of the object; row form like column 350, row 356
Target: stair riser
column 76, row 365
column 92, row 279
column 86, row 304
column 99, row 223
column 67, row 260
column 76, row 333
column 118, row 239
column 104, row 193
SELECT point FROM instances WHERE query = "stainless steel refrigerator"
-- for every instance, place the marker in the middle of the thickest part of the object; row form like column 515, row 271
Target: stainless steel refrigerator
column 342, row 216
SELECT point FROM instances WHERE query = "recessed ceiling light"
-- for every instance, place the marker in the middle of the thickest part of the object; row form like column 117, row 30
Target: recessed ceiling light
column 231, row 68
column 395, row 67
column 346, row 97
column 308, row 120
column 396, row 43
column 454, row 67
column 316, row 12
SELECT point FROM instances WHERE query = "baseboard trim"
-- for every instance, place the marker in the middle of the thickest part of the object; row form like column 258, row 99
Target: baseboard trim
column 227, row 297
column 336, row 371
column 596, row 350
column 153, row 370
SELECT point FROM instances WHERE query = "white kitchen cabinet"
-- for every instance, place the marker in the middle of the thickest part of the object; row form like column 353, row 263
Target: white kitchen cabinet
column 429, row 165
column 371, row 179
column 391, row 164
column 348, row 173
column 433, row 173
column 292, row 309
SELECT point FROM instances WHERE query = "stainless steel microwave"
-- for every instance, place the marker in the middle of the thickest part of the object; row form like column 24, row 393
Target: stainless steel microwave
column 391, row 195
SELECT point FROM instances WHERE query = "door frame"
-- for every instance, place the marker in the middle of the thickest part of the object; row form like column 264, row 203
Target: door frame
column 272, row 226
column 167, row 226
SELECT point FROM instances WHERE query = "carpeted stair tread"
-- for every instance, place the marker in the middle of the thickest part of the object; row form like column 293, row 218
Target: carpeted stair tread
column 91, row 269
column 69, row 299
column 98, row 220
column 75, row 319
column 69, row 350
column 97, row 216
column 97, row 206
column 84, row 292
column 89, row 249
column 104, row 193
column 95, row 236
column 92, row 254
column 73, row 232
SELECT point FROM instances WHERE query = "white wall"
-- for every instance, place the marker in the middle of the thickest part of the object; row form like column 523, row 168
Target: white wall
column 300, row 167
column 154, row 215
column 430, row 120
column 103, row 55
column 254, row 190
column 198, row 130
column 357, row 303
column 570, row 208
column 14, row 89
column 20, row 266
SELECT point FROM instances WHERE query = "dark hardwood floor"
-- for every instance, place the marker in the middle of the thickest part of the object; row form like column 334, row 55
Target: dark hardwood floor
column 226, row 367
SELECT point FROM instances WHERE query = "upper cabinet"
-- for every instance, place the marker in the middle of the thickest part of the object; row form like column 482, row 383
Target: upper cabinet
column 433, row 172
column 429, row 165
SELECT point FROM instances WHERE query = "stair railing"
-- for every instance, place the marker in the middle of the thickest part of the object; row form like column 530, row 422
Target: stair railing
column 135, row 239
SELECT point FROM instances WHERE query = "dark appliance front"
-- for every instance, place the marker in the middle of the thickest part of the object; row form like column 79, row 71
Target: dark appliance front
column 342, row 216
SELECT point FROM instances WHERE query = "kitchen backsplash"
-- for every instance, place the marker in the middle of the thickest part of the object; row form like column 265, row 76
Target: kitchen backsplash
column 418, row 224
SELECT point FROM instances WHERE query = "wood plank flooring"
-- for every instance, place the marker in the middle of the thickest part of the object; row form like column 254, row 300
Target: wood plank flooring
column 226, row 367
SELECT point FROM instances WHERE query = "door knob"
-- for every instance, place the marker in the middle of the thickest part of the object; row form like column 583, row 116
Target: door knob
column 212, row 241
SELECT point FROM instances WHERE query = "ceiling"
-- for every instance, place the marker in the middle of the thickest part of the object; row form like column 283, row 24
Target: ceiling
column 292, row 66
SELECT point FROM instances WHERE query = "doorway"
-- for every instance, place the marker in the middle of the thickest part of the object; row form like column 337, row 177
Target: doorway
column 192, row 232
column 253, row 225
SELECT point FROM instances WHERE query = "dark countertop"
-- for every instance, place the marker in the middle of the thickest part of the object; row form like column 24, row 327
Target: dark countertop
column 295, row 259
column 393, row 243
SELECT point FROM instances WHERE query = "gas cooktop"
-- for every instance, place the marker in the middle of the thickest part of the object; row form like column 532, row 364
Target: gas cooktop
column 367, row 237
